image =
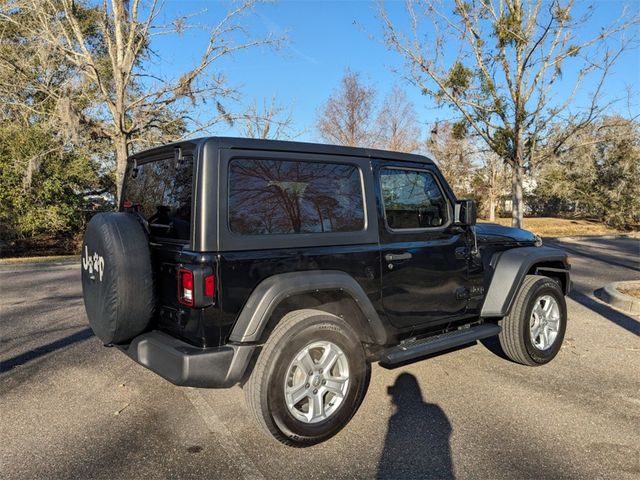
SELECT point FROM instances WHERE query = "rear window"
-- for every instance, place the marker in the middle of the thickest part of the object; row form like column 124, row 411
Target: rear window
column 268, row 197
column 161, row 192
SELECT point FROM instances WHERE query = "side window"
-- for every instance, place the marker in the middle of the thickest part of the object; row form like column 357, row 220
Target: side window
column 412, row 199
column 290, row 197
column 161, row 192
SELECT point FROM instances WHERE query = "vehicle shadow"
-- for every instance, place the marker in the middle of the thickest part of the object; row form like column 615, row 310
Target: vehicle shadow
column 417, row 441
column 493, row 345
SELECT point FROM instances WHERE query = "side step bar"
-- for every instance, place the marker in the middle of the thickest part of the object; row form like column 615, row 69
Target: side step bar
column 427, row 346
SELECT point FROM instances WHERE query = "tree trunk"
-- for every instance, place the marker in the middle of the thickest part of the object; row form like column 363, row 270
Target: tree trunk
column 492, row 205
column 517, row 204
column 122, row 154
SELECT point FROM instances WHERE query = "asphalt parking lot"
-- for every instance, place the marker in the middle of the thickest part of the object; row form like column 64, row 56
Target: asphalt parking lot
column 70, row 408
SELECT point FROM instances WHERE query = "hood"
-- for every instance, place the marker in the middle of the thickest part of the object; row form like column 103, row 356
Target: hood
column 494, row 233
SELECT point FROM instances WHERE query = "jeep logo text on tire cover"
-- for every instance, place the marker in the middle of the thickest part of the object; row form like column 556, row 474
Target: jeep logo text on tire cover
column 94, row 262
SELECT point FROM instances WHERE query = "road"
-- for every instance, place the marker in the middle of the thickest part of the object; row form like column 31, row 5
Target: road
column 71, row 408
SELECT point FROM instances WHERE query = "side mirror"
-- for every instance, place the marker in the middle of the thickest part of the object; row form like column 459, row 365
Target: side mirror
column 465, row 213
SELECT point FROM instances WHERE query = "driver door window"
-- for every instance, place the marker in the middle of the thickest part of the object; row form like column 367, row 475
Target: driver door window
column 412, row 200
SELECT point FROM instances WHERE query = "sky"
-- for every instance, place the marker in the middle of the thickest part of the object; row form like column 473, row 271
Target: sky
column 323, row 39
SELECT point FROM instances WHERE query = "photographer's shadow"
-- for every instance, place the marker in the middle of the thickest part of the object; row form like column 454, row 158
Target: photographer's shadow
column 417, row 441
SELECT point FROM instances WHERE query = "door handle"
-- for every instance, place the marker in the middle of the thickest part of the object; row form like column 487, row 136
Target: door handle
column 393, row 257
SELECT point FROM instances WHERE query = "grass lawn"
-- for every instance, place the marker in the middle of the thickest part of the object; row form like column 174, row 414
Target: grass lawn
column 562, row 227
column 49, row 258
column 630, row 288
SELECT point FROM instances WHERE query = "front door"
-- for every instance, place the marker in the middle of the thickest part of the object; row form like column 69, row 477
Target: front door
column 424, row 258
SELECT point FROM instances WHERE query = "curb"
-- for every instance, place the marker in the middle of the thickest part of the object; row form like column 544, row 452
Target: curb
column 611, row 295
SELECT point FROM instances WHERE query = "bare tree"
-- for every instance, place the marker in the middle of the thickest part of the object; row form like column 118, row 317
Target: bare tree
column 347, row 118
column 134, row 106
column 272, row 121
column 397, row 123
column 454, row 156
column 510, row 56
column 491, row 182
column 472, row 170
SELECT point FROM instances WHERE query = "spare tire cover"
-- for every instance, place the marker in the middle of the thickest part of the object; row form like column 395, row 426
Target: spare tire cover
column 117, row 278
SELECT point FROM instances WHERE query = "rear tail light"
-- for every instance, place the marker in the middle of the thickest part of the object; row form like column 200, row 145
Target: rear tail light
column 196, row 286
column 185, row 287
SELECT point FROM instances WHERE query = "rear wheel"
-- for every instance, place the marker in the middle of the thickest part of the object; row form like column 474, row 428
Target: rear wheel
column 309, row 379
column 533, row 331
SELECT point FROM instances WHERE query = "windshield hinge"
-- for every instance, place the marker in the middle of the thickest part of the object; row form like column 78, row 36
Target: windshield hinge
column 179, row 157
column 134, row 169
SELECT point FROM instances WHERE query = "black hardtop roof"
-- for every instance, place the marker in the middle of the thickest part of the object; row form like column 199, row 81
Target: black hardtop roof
column 281, row 146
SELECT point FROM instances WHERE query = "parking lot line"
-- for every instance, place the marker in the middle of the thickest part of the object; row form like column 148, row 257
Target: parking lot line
column 245, row 467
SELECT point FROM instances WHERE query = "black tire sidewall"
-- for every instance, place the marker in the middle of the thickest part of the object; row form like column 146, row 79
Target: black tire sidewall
column 543, row 287
column 99, row 294
column 314, row 329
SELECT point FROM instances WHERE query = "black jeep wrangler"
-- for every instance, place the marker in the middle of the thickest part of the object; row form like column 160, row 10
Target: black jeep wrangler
column 289, row 267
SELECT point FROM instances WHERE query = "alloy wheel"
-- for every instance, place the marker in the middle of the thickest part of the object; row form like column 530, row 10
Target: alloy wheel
column 316, row 382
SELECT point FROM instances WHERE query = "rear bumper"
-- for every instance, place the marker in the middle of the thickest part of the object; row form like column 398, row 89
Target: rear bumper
column 186, row 365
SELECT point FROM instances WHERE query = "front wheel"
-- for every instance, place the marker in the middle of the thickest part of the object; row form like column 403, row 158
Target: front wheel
column 533, row 331
column 309, row 379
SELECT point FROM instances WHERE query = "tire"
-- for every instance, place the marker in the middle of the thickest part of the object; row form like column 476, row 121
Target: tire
column 524, row 338
column 117, row 278
column 265, row 388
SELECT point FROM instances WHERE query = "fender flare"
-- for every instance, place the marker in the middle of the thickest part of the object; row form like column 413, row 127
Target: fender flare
column 509, row 270
column 270, row 292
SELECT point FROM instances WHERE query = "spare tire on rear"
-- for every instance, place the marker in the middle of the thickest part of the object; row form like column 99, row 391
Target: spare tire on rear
column 117, row 278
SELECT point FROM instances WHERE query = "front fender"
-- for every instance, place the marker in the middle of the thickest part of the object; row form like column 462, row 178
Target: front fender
column 510, row 268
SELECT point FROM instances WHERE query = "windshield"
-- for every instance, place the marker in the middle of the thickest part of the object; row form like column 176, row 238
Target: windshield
column 160, row 191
